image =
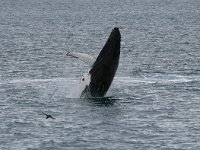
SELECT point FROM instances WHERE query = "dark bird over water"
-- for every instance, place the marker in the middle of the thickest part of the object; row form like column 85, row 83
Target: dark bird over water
column 48, row 116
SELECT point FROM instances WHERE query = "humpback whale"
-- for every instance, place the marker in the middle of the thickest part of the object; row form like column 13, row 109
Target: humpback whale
column 96, row 82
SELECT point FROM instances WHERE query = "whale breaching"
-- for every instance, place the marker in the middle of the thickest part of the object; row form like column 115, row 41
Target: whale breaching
column 96, row 82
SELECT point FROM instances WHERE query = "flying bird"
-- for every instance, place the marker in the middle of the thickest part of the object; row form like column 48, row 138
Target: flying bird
column 48, row 116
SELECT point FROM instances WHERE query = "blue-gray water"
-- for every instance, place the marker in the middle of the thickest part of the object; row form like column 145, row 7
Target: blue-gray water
column 154, row 101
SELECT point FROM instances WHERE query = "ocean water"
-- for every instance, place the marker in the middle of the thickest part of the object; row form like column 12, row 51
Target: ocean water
column 154, row 100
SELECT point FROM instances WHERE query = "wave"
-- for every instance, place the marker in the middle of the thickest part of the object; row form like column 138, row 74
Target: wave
column 158, row 78
column 28, row 80
column 127, row 79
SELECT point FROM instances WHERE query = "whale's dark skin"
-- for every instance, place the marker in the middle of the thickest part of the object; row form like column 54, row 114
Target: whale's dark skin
column 104, row 68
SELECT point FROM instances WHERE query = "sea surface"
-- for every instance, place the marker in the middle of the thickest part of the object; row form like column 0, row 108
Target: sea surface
column 153, row 102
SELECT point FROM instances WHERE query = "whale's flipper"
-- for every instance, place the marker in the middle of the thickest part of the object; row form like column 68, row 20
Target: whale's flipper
column 82, row 56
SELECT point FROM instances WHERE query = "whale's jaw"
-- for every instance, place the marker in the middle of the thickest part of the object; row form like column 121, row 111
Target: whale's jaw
column 104, row 68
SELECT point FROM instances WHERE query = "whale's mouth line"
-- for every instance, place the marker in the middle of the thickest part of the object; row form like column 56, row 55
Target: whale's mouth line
column 84, row 91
